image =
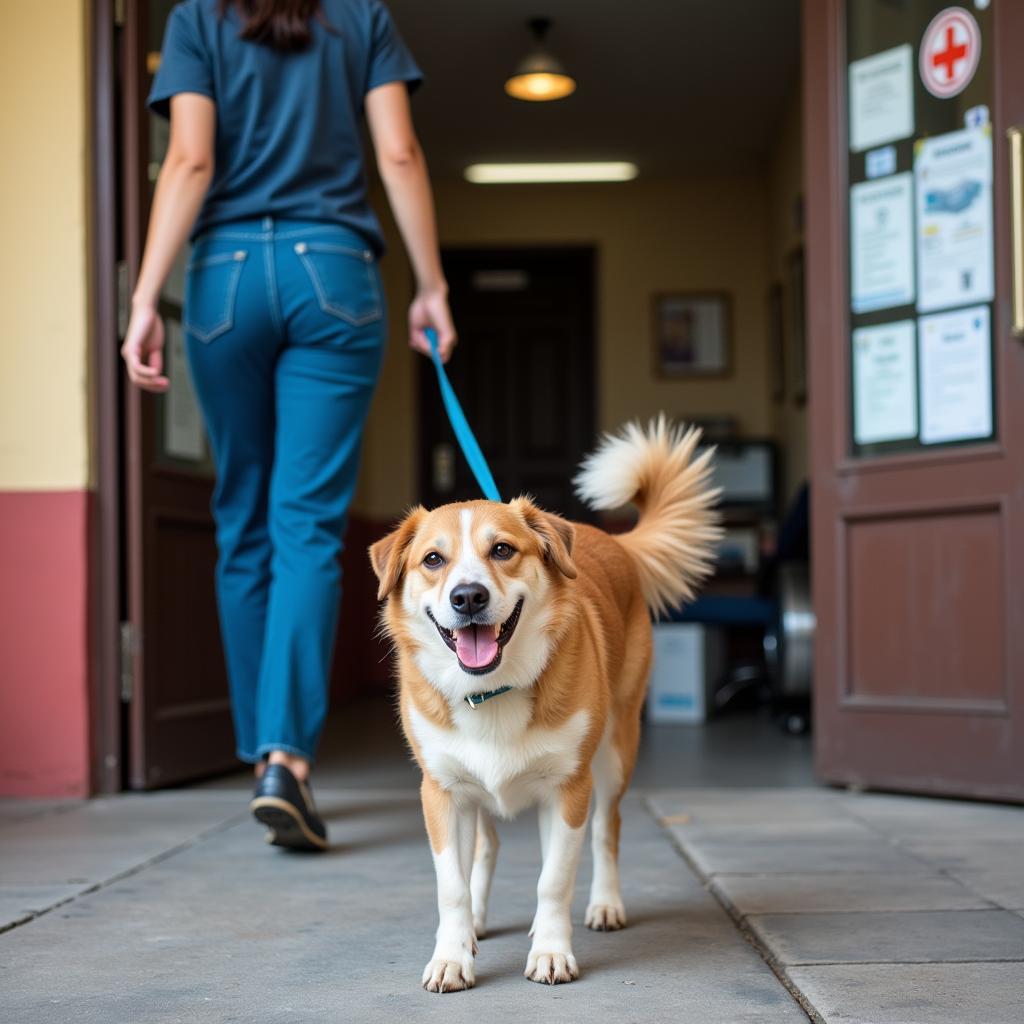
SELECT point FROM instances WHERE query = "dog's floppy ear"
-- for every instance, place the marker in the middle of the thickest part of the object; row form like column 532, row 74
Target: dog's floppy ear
column 388, row 555
column 556, row 534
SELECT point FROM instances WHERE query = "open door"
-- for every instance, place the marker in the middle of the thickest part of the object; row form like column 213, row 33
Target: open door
column 916, row 417
column 175, row 682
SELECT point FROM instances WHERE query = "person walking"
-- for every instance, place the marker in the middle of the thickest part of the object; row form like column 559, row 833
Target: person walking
column 284, row 322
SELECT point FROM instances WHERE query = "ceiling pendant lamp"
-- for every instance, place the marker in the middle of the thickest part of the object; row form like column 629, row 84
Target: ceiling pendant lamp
column 539, row 77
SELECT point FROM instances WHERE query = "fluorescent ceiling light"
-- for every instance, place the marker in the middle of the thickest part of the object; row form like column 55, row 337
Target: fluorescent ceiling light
column 534, row 174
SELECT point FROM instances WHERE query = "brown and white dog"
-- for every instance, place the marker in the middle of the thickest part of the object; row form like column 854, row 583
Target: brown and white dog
column 524, row 645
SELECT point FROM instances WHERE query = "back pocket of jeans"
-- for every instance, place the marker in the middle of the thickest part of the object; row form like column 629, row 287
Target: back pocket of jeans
column 211, row 287
column 343, row 279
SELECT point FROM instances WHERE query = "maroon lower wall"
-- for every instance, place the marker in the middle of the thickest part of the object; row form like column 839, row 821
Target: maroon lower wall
column 44, row 639
column 44, row 643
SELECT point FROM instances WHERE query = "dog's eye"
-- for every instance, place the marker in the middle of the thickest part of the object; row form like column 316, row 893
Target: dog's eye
column 433, row 560
column 502, row 551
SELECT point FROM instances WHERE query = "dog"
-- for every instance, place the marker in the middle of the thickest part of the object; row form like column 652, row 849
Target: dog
column 523, row 646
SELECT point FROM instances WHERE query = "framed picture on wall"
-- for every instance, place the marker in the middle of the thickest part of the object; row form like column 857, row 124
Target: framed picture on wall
column 692, row 334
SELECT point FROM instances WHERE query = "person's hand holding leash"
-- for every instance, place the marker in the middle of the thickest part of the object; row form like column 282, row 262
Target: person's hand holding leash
column 143, row 349
column 430, row 310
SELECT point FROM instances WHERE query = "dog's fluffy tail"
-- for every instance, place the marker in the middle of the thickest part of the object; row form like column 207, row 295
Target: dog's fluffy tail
column 674, row 540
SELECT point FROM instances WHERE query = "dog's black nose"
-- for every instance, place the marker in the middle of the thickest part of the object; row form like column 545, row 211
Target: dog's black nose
column 469, row 598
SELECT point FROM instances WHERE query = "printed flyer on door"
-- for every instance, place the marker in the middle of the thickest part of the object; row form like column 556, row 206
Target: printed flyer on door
column 955, row 253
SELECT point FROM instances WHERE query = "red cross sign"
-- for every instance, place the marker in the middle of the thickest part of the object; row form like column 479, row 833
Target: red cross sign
column 950, row 51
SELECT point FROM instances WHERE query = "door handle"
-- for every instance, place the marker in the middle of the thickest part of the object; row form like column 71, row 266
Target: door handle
column 1016, row 137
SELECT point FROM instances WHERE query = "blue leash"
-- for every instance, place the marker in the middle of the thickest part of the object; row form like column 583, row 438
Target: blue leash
column 460, row 425
column 476, row 461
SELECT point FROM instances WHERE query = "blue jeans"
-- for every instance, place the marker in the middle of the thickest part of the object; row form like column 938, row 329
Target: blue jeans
column 285, row 330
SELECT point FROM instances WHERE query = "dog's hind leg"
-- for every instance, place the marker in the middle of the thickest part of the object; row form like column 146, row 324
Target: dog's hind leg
column 483, row 869
column 605, row 911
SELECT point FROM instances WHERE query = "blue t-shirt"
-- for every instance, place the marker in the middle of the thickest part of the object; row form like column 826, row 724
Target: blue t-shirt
column 289, row 139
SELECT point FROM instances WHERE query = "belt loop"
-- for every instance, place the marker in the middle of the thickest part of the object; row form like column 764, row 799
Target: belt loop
column 268, row 225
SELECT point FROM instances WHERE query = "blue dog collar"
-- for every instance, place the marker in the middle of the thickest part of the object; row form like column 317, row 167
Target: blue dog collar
column 474, row 700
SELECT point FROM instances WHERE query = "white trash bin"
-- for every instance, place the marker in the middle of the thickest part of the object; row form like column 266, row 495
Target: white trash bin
column 687, row 663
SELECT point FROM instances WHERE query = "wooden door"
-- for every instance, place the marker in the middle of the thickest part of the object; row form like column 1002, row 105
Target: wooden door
column 174, row 677
column 523, row 371
column 918, row 502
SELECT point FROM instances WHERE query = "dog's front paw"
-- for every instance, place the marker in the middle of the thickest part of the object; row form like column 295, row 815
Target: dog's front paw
column 606, row 917
column 449, row 975
column 551, row 968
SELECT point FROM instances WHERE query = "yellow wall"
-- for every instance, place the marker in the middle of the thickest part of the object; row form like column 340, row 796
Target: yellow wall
column 693, row 234
column 789, row 418
column 43, row 272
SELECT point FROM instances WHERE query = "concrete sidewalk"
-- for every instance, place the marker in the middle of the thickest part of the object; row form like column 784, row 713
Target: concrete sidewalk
column 174, row 910
column 746, row 905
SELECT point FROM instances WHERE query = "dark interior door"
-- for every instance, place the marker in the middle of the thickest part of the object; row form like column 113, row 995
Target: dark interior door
column 179, row 723
column 523, row 371
column 917, row 427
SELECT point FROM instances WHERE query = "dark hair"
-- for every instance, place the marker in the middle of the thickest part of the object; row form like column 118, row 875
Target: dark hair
column 281, row 24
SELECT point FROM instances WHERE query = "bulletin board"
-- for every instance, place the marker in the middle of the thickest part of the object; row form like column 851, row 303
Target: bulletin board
column 920, row 225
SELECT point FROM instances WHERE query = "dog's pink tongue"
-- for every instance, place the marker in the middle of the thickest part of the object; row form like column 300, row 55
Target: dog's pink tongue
column 476, row 646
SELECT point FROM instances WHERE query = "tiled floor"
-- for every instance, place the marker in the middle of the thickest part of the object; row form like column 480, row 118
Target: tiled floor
column 753, row 896
column 875, row 909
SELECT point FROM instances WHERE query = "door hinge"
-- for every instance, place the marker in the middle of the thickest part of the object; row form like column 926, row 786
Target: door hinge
column 129, row 648
column 120, row 15
column 123, row 302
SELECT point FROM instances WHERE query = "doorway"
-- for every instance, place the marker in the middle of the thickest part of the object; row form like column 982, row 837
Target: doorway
column 538, row 371
column 916, row 548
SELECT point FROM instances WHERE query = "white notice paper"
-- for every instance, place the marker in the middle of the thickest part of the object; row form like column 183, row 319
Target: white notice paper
column 955, row 252
column 882, row 243
column 882, row 98
column 183, row 426
column 956, row 375
column 884, row 373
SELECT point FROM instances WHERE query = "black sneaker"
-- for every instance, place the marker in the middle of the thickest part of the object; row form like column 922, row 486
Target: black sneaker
column 285, row 805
